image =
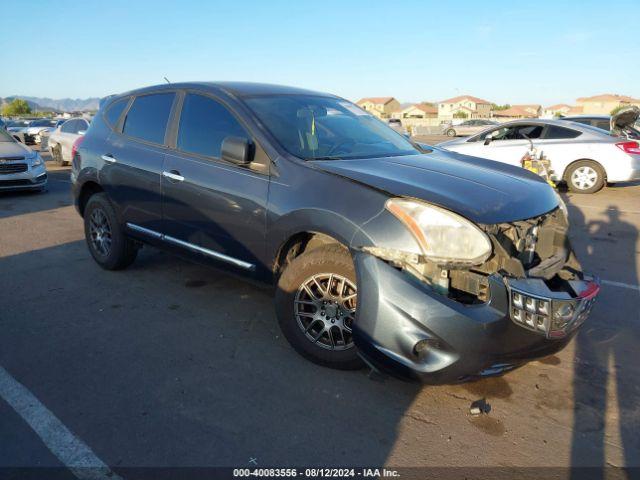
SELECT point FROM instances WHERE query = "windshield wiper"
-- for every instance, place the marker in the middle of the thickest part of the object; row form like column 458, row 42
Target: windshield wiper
column 324, row 158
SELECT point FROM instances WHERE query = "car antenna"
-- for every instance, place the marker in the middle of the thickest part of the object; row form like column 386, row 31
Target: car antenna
column 167, row 80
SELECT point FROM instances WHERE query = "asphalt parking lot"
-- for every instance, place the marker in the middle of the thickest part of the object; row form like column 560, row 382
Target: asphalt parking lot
column 173, row 364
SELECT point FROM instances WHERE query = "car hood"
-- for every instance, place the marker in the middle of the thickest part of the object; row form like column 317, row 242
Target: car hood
column 14, row 149
column 481, row 190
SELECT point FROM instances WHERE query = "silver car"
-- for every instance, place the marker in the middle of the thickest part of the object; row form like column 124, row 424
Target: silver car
column 60, row 141
column 20, row 167
column 466, row 128
column 585, row 157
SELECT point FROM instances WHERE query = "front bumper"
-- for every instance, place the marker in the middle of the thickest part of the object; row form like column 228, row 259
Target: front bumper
column 31, row 179
column 458, row 342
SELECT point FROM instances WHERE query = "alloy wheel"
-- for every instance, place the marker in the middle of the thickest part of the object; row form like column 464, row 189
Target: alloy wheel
column 325, row 307
column 100, row 232
column 584, row 177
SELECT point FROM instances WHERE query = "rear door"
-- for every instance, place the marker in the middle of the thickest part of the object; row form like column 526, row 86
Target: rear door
column 210, row 206
column 133, row 156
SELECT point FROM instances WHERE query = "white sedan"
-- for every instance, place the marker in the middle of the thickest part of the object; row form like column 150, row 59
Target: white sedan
column 585, row 157
column 60, row 142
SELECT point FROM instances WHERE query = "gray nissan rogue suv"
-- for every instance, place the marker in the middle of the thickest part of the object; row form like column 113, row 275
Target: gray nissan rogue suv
column 419, row 262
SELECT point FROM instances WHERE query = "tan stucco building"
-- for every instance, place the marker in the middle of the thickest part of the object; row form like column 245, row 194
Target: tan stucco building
column 420, row 110
column 381, row 107
column 603, row 104
column 473, row 107
column 558, row 109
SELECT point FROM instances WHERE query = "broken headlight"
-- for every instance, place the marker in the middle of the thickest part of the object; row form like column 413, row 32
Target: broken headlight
column 444, row 237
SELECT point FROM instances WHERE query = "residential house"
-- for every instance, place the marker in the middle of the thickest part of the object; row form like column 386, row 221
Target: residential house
column 560, row 109
column 420, row 110
column 603, row 104
column 381, row 107
column 518, row 111
column 463, row 106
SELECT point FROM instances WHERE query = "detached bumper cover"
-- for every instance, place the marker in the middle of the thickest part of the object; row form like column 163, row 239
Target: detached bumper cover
column 458, row 342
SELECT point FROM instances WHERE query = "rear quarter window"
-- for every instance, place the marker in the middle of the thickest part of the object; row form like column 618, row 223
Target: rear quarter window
column 148, row 116
column 557, row 133
column 112, row 115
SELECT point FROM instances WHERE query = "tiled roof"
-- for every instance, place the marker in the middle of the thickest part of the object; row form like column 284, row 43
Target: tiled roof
column 460, row 98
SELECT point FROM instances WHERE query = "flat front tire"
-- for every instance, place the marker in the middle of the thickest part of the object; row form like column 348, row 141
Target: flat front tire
column 585, row 176
column 316, row 304
column 105, row 237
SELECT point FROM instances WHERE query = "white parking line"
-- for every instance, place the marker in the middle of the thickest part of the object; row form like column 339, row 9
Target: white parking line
column 621, row 285
column 69, row 449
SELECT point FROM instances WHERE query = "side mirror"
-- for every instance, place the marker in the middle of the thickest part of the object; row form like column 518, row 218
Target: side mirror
column 237, row 150
column 488, row 139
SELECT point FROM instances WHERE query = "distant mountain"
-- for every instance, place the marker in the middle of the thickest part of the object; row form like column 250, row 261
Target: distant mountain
column 60, row 105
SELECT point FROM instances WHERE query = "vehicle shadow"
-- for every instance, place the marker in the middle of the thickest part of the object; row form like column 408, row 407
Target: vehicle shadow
column 606, row 382
column 174, row 364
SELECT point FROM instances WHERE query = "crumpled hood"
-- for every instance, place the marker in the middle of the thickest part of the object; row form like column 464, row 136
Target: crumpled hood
column 14, row 149
column 481, row 190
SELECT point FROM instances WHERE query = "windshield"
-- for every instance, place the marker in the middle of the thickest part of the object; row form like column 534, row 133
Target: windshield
column 42, row 123
column 5, row 136
column 323, row 128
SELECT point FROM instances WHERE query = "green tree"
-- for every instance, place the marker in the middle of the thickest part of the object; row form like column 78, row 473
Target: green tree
column 497, row 107
column 617, row 109
column 16, row 107
column 558, row 115
column 460, row 114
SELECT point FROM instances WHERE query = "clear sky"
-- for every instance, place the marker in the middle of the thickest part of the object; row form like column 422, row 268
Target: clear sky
column 519, row 52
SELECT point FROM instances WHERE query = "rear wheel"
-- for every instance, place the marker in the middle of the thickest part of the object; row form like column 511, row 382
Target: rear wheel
column 105, row 237
column 585, row 176
column 316, row 306
column 451, row 132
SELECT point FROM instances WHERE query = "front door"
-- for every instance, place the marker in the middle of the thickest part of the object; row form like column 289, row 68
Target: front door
column 212, row 207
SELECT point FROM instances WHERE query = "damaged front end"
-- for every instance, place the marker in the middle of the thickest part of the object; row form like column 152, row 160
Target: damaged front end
column 452, row 321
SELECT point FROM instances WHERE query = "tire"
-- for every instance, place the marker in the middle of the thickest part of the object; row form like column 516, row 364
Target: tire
column 327, row 263
column 451, row 132
column 585, row 176
column 56, row 153
column 120, row 251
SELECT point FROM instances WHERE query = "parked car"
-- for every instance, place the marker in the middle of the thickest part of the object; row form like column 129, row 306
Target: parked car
column 37, row 128
column 17, row 129
column 622, row 123
column 585, row 157
column 20, row 167
column 466, row 128
column 396, row 124
column 61, row 140
column 428, row 264
column 3, row 125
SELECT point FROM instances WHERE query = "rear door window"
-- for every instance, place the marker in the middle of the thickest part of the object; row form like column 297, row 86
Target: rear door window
column 68, row 126
column 148, row 116
column 204, row 124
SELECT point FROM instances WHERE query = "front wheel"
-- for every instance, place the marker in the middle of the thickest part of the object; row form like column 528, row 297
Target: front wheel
column 451, row 132
column 585, row 176
column 109, row 246
column 316, row 305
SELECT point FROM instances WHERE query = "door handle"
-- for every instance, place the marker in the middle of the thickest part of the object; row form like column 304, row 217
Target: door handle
column 173, row 175
column 108, row 158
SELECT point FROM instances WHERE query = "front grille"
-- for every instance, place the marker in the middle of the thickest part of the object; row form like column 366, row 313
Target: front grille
column 530, row 312
column 552, row 317
column 8, row 168
column 15, row 183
